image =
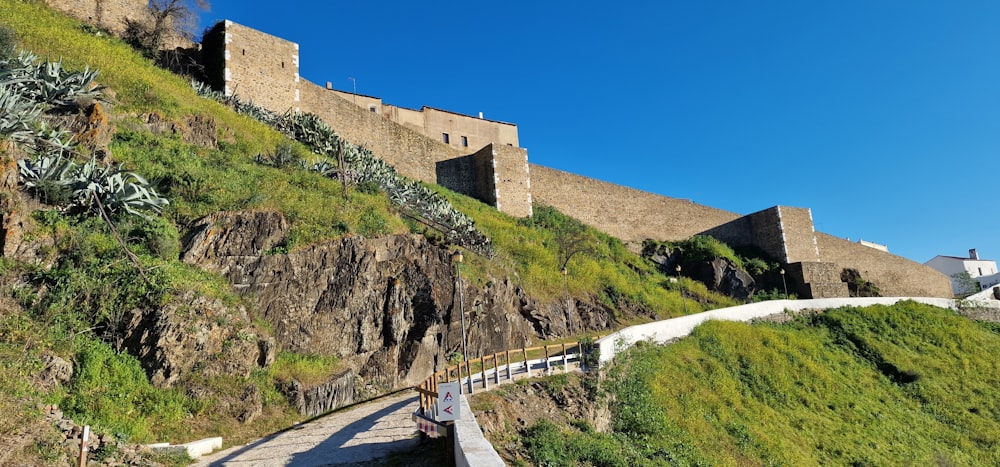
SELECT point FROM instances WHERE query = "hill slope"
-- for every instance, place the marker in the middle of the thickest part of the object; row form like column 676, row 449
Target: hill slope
column 908, row 384
column 164, row 350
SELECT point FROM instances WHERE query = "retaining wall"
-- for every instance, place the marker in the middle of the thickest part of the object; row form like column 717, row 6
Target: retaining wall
column 471, row 447
column 629, row 214
column 663, row 331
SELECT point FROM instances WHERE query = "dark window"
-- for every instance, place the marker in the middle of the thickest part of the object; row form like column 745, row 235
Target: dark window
column 444, row 137
column 465, row 142
column 371, row 108
column 980, row 271
column 244, row 51
column 282, row 64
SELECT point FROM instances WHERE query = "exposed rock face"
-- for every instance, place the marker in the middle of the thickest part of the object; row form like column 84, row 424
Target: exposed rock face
column 731, row 280
column 336, row 392
column 13, row 212
column 194, row 129
column 93, row 130
column 191, row 330
column 57, row 371
column 388, row 306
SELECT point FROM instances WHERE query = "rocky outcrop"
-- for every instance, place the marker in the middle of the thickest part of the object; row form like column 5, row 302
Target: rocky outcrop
column 194, row 330
column 729, row 279
column 388, row 306
column 336, row 392
column 13, row 212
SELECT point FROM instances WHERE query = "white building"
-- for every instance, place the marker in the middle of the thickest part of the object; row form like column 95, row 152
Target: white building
column 982, row 271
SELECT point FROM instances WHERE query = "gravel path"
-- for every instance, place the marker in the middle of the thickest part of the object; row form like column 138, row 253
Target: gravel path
column 356, row 435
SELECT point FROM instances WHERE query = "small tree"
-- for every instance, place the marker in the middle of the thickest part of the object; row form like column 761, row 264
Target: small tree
column 965, row 285
column 166, row 19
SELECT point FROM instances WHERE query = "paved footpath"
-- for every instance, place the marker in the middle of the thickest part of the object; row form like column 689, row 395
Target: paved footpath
column 359, row 434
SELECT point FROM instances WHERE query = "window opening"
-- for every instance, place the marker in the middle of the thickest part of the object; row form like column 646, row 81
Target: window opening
column 444, row 137
column 465, row 142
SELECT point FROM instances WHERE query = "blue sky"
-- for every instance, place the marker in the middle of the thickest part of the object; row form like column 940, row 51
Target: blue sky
column 883, row 117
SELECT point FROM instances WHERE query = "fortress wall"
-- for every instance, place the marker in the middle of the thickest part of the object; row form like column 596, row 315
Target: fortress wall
column 471, row 175
column 512, row 180
column 413, row 154
column 894, row 275
column 108, row 14
column 798, row 234
column 261, row 67
column 629, row 214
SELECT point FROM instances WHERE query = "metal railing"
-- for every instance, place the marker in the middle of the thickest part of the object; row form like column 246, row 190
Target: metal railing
column 503, row 366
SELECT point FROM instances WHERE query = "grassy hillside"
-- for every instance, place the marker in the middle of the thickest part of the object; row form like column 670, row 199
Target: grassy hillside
column 908, row 384
column 69, row 300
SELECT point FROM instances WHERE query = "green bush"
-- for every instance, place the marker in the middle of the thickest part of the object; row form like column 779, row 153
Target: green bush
column 372, row 223
column 110, row 390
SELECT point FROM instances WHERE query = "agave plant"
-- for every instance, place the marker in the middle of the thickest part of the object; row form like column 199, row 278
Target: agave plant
column 410, row 196
column 90, row 187
column 115, row 191
column 17, row 115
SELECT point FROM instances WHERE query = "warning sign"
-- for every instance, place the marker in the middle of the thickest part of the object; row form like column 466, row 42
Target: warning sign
column 448, row 401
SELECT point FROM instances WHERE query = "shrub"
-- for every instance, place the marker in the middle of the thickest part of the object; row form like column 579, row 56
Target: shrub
column 372, row 223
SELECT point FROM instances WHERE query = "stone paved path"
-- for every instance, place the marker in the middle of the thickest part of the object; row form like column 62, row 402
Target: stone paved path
column 363, row 433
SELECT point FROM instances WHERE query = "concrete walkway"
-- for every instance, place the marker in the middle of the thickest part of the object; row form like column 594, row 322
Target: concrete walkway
column 359, row 434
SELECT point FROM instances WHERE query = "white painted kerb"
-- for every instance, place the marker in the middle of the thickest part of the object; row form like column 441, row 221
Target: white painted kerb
column 663, row 331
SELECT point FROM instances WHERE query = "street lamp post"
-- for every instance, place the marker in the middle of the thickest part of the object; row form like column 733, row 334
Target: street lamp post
column 683, row 297
column 457, row 258
column 784, row 285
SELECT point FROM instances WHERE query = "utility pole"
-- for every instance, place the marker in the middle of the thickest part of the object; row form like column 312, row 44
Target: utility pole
column 456, row 257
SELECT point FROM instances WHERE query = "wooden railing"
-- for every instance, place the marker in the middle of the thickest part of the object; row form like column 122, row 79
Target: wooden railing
column 500, row 366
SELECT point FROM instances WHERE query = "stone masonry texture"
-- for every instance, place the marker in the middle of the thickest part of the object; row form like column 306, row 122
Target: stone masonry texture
column 267, row 68
column 108, row 14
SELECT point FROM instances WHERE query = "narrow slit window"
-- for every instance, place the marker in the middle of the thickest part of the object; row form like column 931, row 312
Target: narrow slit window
column 445, row 138
column 465, row 142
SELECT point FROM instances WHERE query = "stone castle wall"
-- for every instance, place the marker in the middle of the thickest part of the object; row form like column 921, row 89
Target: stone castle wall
column 894, row 275
column 629, row 214
column 107, row 14
column 260, row 66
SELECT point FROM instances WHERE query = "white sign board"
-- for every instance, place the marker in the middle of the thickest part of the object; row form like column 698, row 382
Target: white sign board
column 447, row 401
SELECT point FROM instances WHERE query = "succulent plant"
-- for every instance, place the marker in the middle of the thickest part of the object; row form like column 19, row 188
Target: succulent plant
column 364, row 167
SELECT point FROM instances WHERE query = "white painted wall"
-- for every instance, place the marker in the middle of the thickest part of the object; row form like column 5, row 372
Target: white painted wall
column 471, row 447
column 663, row 331
column 983, row 271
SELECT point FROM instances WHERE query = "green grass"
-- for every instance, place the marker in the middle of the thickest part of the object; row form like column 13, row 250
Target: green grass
column 908, row 384
column 618, row 277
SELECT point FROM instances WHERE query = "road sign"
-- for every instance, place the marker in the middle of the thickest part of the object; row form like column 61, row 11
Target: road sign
column 448, row 405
